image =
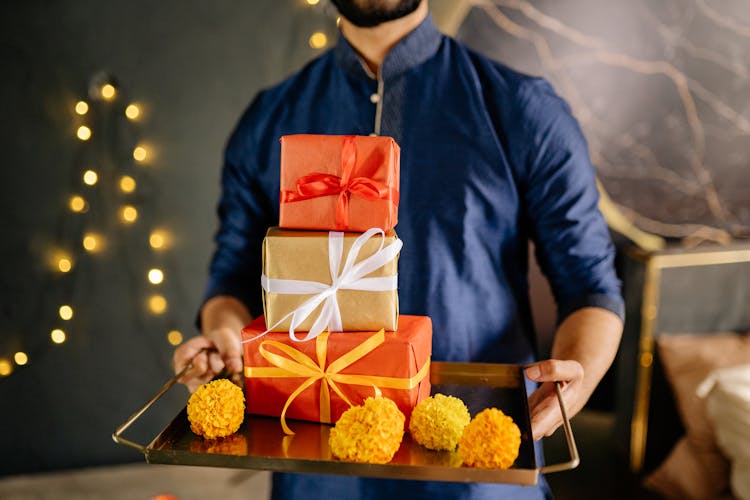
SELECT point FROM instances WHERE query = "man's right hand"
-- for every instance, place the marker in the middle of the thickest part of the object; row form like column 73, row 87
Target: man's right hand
column 223, row 318
column 224, row 352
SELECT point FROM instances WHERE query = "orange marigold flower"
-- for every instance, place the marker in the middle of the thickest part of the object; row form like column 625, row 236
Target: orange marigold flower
column 490, row 441
column 438, row 421
column 216, row 409
column 370, row 433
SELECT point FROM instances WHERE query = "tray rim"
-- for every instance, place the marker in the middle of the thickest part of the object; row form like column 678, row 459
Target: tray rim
column 441, row 372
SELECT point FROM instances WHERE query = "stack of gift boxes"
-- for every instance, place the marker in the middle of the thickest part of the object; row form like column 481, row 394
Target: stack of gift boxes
column 331, row 334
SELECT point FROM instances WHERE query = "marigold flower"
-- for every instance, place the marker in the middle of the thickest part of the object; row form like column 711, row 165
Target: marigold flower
column 438, row 421
column 370, row 433
column 216, row 409
column 490, row 441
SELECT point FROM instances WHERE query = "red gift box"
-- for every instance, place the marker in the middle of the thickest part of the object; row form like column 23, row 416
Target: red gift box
column 317, row 380
column 339, row 182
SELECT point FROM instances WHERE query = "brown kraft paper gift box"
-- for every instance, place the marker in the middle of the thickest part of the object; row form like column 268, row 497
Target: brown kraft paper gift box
column 294, row 256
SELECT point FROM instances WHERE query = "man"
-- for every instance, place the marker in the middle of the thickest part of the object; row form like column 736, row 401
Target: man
column 490, row 158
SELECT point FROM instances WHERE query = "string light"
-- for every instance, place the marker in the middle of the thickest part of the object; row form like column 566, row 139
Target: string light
column 90, row 177
column 82, row 107
column 21, row 358
column 157, row 304
column 5, row 367
column 318, row 40
column 158, row 239
column 91, row 242
column 127, row 184
column 57, row 336
column 140, row 153
column 66, row 312
column 64, row 264
column 108, row 91
column 133, row 112
column 338, row 20
column 128, row 214
column 174, row 337
column 155, row 276
column 83, row 133
column 77, row 203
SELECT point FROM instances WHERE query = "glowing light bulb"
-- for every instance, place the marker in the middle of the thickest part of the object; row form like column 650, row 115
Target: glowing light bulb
column 82, row 107
column 133, row 111
column 128, row 214
column 108, row 91
column 338, row 20
column 158, row 239
column 155, row 276
column 312, row 2
column 66, row 312
column 140, row 153
column 83, row 133
column 127, row 184
column 91, row 242
column 318, row 40
column 58, row 336
column 90, row 177
column 174, row 337
column 21, row 358
column 64, row 265
column 77, row 203
column 157, row 304
column 5, row 367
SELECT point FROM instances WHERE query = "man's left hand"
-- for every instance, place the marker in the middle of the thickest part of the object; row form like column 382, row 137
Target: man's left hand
column 543, row 404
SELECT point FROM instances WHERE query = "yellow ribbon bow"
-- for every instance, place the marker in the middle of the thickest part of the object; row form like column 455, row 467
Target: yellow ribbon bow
column 298, row 364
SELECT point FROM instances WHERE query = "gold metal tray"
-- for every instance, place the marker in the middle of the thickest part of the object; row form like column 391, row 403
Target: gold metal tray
column 261, row 444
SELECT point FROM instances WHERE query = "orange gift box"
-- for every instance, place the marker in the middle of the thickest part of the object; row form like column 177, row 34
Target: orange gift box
column 339, row 182
column 318, row 379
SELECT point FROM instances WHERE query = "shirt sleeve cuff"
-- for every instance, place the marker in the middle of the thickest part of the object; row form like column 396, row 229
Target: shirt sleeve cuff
column 613, row 304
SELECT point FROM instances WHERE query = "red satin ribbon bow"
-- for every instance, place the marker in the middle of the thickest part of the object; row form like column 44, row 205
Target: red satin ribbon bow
column 320, row 184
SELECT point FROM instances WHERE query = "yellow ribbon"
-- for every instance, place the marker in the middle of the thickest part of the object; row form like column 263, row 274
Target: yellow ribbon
column 298, row 364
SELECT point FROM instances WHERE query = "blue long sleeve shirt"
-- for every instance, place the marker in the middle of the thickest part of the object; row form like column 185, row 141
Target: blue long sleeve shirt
column 490, row 159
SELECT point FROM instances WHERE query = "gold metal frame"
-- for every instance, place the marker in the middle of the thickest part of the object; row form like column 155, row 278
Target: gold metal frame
column 655, row 262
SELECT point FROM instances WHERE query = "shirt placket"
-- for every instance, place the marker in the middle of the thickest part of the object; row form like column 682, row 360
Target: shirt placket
column 376, row 97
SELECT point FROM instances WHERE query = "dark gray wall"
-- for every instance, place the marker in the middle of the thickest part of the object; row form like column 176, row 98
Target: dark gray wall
column 194, row 66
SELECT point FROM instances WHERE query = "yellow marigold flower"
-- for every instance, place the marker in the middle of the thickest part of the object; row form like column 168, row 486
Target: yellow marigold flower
column 370, row 433
column 490, row 441
column 438, row 421
column 216, row 409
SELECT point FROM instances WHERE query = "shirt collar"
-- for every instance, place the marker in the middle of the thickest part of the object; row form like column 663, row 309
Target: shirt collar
column 414, row 49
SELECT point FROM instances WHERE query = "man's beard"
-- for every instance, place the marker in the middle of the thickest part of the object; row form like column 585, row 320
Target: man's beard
column 368, row 13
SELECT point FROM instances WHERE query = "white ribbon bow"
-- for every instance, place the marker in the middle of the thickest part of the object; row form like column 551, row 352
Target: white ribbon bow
column 351, row 277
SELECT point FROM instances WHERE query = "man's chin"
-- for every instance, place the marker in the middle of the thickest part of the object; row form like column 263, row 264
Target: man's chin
column 370, row 13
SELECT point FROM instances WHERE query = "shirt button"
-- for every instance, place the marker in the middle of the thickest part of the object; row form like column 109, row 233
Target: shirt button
column 374, row 98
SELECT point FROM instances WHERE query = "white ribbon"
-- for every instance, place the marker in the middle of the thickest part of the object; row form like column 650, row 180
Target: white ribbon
column 351, row 277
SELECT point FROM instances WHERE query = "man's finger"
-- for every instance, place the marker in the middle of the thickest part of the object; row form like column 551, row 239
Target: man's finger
column 215, row 363
column 230, row 348
column 189, row 351
column 552, row 370
column 545, row 417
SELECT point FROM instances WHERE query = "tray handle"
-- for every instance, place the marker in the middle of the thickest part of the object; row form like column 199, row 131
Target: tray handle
column 117, row 435
column 575, row 459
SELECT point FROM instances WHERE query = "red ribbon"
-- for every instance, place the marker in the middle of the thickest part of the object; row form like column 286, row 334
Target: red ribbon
column 320, row 184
